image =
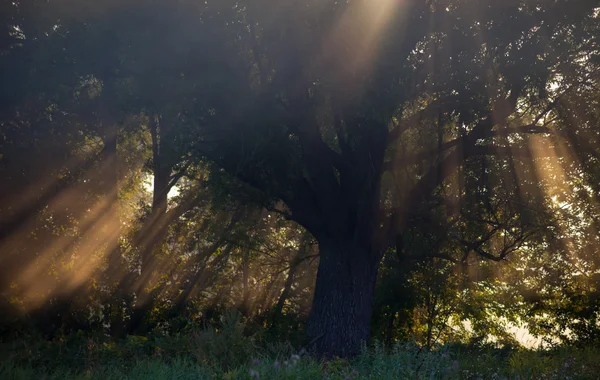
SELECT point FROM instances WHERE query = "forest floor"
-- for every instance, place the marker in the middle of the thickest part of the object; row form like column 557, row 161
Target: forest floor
column 214, row 355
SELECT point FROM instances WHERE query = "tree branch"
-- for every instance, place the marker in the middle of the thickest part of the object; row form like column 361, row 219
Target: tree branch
column 403, row 124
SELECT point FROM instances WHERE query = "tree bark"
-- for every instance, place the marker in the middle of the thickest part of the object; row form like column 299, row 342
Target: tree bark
column 340, row 319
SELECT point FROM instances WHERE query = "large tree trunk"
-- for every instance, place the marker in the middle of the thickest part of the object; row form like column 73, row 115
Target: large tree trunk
column 340, row 319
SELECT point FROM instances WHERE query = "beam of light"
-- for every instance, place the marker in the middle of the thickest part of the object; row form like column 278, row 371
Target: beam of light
column 69, row 261
column 25, row 205
column 354, row 41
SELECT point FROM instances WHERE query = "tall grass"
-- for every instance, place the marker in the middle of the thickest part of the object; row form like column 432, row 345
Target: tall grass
column 226, row 352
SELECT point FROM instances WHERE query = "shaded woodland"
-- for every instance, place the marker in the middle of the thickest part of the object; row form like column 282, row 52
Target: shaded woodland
column 334, row 171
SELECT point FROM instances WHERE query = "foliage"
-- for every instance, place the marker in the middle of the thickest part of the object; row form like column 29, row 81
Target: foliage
column 96, row 358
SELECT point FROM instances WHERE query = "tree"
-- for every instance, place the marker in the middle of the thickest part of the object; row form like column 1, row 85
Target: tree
column 334, row 93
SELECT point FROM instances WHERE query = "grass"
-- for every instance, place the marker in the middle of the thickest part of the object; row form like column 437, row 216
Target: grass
column 227, row 353
column 139, row 358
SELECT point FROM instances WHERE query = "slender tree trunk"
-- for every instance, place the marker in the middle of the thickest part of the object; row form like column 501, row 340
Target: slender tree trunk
column 429, row 332
column 245, row 283
column 389, row 334
column 153, row 231
column 287, row 288
column 340, row 319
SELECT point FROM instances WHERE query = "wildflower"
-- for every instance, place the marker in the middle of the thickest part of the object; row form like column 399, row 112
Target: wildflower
column 255, row 362
column 253, row 374
column 295, row 357
column 276, row 365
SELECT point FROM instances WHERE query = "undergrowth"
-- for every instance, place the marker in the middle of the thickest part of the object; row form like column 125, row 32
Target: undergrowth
column 227, row 352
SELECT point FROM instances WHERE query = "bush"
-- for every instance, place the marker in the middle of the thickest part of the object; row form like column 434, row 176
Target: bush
column 225, row 346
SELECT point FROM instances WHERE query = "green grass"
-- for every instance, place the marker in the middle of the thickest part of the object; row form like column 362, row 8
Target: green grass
column 228, row 353
column 220, row 355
